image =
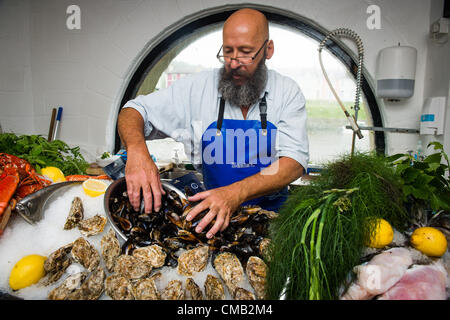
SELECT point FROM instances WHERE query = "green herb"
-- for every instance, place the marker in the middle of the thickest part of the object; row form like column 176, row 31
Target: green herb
column 105, row 155
column 41, row 153
column 424, row 183
column 321, row 229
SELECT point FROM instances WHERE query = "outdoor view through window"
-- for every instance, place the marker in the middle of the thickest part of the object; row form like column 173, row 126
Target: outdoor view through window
column 296, row 56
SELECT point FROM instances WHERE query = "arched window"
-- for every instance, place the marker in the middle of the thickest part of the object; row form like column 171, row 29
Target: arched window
column 296, row 56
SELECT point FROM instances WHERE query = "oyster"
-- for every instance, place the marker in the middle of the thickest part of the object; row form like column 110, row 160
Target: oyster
column 264, row 247
column 92, row 288
column 256, row 272
column 85, row 254
column 193, row 290
column 230, row 270
column 57, row 263
column 242, row 294
column 119, row 288
column 76, row 214
column 110, row 249
column 174, row 291
column 193, row 260
column 131, row 267
column 68, row 286
column 269, row 214
column 145, row 289
column 154, row 255
column 213, row 288
column 92, row 226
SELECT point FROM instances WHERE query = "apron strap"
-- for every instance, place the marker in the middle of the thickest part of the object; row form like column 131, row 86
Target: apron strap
column 220, row 119
column 262, row 114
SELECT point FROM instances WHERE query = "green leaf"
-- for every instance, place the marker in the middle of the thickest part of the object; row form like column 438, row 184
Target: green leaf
column 420, row 193
column 433, row 167
column 401, row 167
column 410, row 174
column 397, row 156
column 37, row 150
column 407, row 190
column 433, row 158
column 437, row 145
column 422, row 180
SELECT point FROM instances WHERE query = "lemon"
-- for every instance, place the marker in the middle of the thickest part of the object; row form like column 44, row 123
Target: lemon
column 382, row 235
column 27, row 271
column 429, row 241
column 94, row 187
column 54, row 173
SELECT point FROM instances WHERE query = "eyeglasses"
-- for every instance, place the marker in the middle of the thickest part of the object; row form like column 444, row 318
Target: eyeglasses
column 243, row 61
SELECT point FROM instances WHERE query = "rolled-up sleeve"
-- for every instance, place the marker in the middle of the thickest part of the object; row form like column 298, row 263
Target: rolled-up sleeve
column 164, row 109
column 292, row 132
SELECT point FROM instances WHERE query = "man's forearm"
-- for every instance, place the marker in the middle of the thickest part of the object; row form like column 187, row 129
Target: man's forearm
column 271, row 179
column 131, row 129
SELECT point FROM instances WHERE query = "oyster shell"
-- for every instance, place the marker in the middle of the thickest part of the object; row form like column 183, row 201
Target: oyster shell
column 242, row 294
column 269, row 214
column 213, row 288
column 131, row 267
column 256, row 272
column 193, row 260
column 119, row 288
column 68, row 286
column 193, row 290
column 110, row 249
column 145, row 289
column 57, row 263
column 85, row 254
column 92, row 288
column 153, row 254
column 92, row 226
column 76, row 214
column 174, row 291
column 264, row 247
column 230, row 270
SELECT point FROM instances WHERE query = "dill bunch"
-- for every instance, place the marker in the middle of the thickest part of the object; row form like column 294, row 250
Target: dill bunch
column 321, row 229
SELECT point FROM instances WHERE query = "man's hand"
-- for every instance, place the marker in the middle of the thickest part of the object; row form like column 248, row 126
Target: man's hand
column 221, row 202
column 141, row 173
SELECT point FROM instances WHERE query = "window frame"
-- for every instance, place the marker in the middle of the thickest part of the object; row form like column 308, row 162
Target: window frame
column 205, row 20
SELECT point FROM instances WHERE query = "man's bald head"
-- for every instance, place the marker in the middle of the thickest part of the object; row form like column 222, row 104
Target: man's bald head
column 248, row 22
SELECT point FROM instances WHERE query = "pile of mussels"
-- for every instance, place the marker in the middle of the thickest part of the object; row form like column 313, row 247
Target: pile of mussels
column 246, row 235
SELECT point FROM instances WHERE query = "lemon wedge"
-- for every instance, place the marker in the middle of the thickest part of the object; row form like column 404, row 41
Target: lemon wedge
column 53, row 173
column 27, row 271
column 94, row 187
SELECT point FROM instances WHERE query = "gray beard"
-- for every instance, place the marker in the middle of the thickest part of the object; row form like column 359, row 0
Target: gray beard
column 246, row 94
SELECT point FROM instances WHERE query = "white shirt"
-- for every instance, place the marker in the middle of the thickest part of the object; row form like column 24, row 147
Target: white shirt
column 185, row 109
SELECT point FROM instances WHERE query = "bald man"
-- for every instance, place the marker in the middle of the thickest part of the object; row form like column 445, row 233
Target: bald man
column 243, row 125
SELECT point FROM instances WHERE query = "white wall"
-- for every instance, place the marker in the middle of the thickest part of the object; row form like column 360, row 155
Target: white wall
column 45, row 65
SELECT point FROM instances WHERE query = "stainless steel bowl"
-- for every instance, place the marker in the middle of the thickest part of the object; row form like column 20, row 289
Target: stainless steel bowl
column 119, row 186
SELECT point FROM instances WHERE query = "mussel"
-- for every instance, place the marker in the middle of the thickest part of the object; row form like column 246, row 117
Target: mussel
column 169, row 228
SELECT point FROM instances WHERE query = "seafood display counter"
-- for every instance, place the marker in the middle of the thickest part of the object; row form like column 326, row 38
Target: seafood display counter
column 117, row 253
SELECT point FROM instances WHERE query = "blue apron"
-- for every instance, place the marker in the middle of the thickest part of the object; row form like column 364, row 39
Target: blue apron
column 233, row 150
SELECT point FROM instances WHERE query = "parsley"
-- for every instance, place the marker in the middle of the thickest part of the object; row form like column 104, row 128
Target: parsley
column 40, row 153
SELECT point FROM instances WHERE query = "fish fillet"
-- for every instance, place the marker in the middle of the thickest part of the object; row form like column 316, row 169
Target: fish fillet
column 380, row 274
column 421, row 282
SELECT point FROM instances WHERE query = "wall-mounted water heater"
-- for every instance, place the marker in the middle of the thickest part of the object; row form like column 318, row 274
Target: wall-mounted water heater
column 433, row 116
column 396, row 72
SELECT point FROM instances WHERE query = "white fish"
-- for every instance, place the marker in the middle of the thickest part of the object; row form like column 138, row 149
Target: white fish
column 380, row 274
column 420, row 282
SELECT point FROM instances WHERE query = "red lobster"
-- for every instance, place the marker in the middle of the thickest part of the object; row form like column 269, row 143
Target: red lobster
column 17, row 178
